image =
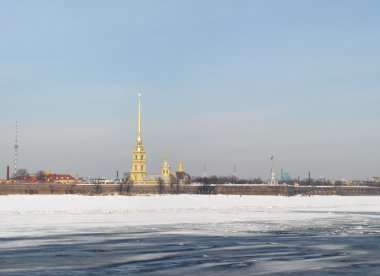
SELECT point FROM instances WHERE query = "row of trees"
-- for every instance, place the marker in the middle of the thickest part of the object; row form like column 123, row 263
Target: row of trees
column 173, row 182
column 319, row 182
column 302, row 182
column 126, row 187
column 127, row 184
column 21, row 174
column 226, row 180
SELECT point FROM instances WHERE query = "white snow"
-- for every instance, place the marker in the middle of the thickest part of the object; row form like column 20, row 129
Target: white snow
column 35, row 214
column 191, row 234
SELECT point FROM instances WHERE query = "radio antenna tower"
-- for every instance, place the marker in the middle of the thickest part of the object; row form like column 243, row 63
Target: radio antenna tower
column 16, row 150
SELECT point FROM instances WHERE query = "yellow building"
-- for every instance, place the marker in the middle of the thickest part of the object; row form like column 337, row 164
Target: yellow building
column 181, row 167
column 138, row 171
column 181, row 175
column 165, row 169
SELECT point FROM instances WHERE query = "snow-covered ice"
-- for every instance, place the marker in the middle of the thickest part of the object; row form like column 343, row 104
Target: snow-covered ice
column 189, row 234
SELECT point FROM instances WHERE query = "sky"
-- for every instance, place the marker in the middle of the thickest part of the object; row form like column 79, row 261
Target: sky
column 224, row 83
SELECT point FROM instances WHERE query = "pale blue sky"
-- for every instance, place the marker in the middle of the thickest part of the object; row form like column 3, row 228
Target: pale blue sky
column 224, row 83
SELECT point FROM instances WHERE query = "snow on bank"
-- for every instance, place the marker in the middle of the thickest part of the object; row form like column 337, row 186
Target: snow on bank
column 23, row 204
column 21, row 214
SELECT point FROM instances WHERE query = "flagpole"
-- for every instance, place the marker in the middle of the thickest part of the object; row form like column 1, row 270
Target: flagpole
column 272, row 158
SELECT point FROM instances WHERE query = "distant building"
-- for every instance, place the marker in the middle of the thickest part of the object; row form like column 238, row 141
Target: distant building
column 182, row 176
column 286, row 176
column 100, row 181
column 138, row 173
column 273, row 178
column 45, row 177
column 60, row 178
column 346, row 181
column 165, row 170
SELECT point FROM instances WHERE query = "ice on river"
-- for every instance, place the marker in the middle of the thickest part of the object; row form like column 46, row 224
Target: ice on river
column 188, row 235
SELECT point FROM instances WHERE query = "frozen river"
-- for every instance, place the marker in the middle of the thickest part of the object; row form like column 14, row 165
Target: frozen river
column 189, row 235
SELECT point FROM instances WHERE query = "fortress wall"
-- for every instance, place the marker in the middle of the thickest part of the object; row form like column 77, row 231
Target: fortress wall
column 8, row 189
column 252, row 190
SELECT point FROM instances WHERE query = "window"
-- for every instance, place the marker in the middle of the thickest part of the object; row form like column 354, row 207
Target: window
column 142, row 167
column 142, row 157
column 136, row 157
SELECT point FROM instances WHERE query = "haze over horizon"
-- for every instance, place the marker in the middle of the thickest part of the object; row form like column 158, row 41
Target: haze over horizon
column 223, row 83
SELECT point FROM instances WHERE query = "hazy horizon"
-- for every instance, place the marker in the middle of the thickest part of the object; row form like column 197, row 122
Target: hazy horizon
column 223, row 83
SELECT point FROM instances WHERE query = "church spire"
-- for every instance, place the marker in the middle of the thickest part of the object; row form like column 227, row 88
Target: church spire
column 180, row 167
column 165, row 168
column 139, row 139
column 138, row 171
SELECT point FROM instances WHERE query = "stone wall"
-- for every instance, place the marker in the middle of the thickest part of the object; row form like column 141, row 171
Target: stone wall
column 8, row 189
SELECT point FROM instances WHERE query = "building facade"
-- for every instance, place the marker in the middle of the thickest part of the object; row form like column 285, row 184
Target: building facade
column 138, row 171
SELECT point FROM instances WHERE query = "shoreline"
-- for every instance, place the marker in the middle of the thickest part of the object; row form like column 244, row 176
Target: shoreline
column 151, row 189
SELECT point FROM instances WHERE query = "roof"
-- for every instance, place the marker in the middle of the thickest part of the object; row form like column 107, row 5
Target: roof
column 152, row 177
column 182, row 175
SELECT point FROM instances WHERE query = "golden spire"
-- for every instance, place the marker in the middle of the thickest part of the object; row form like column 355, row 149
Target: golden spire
column 180, row 167
column 138, row 171
column 139, row 123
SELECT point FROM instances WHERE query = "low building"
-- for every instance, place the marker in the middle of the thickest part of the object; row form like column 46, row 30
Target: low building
column 166, row 176
column 50, row 177
column 43, row 177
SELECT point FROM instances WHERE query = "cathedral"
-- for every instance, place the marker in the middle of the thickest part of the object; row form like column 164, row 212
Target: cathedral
column 138, row 172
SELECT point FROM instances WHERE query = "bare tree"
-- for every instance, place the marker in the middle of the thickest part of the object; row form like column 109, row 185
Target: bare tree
column 121, row 188
column 98, row 188
column 129, row 186
column 40, row 175
column 21, row 174
column 174, row 184
column 160, row 185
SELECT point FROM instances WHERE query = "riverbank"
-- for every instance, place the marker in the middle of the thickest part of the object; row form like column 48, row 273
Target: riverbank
column 139, row 189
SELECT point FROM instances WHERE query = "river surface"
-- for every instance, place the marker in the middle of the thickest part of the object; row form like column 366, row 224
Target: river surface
column 189, row 235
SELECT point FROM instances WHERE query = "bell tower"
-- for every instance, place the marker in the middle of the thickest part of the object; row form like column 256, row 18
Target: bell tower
column 165, row 169
column 180, row 167
column 138, row 171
